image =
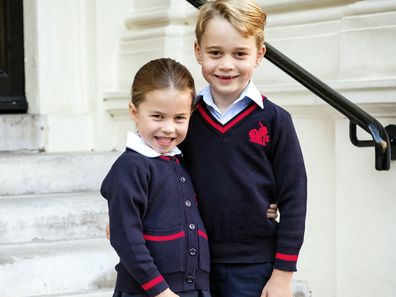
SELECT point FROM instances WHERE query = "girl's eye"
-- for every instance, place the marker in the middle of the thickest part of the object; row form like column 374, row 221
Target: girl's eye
column 181, row 118
column 157, row 116
column 215, row 53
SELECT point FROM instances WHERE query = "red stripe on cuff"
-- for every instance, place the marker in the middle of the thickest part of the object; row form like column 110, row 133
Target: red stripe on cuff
column 202, row 234
column 152, row 283
column 286, row 257
column 163, row 237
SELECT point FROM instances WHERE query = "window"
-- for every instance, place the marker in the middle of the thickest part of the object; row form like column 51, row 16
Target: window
column 12, row 77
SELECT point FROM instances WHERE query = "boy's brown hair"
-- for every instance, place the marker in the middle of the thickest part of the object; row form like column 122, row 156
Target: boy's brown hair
column 244, row 15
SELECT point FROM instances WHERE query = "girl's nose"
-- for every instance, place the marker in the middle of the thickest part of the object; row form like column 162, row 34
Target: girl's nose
column 168, row 128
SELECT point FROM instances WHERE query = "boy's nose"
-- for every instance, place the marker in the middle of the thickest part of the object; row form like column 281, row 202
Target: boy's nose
column 226, row 63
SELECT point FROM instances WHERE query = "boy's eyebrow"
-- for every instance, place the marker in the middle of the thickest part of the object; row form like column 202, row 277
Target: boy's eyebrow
column 219, row 47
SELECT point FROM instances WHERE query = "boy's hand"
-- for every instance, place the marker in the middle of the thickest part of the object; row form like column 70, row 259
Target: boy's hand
column 272, row 211
column 167, row 293
column 279, row 284
column 108, row 231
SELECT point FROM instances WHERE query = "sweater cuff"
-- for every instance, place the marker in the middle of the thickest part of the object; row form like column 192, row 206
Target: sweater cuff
column 286, row 259
column 155, row 286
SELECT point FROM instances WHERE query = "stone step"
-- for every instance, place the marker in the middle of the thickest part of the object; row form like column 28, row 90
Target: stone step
column 34, row 173
column 96, row 293
column 52, row 217
column 57, row 268
column 22, row 132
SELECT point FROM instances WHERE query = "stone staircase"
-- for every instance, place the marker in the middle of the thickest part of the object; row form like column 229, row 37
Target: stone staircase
column 52, row 218
column 52, row 221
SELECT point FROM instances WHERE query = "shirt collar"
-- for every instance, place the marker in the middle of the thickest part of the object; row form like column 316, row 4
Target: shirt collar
column 250, row 92
column 137, row 144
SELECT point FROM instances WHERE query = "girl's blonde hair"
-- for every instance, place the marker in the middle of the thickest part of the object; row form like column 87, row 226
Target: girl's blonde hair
column 159, row 74
column 244, row 15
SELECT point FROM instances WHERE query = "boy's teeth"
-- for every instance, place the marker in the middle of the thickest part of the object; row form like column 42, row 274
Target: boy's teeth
column 225, row 77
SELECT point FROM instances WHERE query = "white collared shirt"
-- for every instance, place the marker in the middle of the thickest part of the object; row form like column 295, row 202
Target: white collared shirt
column 250, row 93
column 137, row 144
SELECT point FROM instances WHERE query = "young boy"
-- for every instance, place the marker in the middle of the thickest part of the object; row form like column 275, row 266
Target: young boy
column 251, row 157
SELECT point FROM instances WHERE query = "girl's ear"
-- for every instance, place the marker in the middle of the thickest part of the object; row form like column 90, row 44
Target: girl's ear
column 133, row 111
column 260, row 55
column 197, row 51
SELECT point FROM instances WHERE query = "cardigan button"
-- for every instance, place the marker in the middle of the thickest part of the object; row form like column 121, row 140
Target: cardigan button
column 183, row 179
column 190, row 279
column 191, row 227
column 187, row 203
column 193, row 252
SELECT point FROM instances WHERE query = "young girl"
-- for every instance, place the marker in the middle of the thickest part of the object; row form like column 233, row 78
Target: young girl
column 155, row 226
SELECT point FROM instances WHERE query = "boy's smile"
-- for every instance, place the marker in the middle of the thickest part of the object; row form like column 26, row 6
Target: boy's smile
column 228, row 60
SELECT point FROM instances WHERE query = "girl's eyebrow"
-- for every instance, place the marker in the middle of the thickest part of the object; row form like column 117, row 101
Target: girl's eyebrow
column 213, row 47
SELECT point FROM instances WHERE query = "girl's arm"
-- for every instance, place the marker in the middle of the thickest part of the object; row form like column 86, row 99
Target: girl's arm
column 126, row 190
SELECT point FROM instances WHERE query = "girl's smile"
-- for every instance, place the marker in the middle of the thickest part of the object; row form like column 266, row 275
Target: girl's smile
column 162, row 118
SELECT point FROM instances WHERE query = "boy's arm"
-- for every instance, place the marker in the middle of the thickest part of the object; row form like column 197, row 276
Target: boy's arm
column 291, row 185
column 272, row 213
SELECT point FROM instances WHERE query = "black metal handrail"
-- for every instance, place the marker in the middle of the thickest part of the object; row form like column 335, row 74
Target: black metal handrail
column 354, row 113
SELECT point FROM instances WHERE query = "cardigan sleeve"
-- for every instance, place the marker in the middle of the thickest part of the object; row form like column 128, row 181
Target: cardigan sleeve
column 126, row 190
column 291, row 187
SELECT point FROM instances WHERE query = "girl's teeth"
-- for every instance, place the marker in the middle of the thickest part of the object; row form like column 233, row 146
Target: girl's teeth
column 164, row 139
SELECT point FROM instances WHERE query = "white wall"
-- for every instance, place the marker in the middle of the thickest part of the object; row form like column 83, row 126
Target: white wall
column 348, row 44
column 81, row 57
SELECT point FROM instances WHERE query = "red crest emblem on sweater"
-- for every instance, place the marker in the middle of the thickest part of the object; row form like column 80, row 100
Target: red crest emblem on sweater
column 260, row 135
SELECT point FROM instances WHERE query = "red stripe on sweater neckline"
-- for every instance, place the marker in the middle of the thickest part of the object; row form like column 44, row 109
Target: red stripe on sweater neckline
column 224, row 128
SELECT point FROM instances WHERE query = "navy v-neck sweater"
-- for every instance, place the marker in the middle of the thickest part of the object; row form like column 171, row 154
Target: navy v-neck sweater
column 238, row 169
column 155, row 226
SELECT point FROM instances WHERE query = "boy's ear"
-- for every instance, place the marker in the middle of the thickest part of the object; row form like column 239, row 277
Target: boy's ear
column 260, row 55
column 197, row 51
column 132, row 111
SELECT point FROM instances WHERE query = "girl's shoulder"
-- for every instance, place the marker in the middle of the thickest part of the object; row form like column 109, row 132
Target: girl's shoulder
column 130, row 160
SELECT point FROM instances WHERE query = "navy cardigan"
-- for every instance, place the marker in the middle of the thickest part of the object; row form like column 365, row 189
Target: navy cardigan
column 155, row 225
column 238, row 169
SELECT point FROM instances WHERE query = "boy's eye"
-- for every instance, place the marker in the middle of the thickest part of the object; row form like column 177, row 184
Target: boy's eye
column 157, row 116
column 181, row 118
column 240, row 54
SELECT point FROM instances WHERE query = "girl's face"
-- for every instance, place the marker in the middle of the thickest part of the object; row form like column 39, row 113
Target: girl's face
column 162, row 118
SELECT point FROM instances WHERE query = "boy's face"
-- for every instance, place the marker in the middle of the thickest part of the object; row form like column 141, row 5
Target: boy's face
column 162, row 118
column 227, row 59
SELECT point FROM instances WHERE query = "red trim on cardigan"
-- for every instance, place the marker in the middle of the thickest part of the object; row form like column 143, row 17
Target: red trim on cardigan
column 229, row 125
column 147, row 286
column 202, row 234
column 170, row 158
column 164, row 237
column 286, row 257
